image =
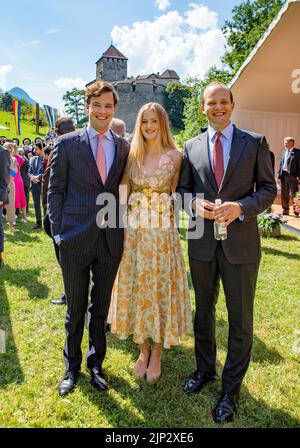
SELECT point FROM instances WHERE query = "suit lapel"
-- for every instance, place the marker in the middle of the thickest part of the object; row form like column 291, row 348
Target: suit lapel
column 202, row 161
column 237, row 149
column 85, row 147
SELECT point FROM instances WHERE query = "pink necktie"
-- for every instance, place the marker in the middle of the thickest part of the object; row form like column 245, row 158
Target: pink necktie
column 100, row 160
column 218, row 159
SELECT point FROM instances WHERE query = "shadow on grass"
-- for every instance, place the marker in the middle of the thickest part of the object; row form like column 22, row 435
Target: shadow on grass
column 10, row 369
column 165, row 404
column 281, row 253
column 23, row 235
column 261, row 353
column 288, row 238
column 132, row 403
column 28, row 279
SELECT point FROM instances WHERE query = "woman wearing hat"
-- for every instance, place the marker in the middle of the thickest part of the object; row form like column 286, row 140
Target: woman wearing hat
column 16, row 141
column 26, row 145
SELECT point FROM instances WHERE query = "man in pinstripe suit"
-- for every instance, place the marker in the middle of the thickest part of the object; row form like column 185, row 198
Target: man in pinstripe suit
column 76, row 180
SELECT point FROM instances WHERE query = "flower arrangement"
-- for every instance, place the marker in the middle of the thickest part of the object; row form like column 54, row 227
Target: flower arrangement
column 269, row 223
column 296, row 205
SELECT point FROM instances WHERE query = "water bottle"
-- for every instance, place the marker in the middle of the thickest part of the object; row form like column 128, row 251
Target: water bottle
column 220, row 229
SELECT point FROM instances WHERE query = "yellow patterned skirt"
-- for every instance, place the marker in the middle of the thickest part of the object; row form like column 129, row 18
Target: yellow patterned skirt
column 150, row 297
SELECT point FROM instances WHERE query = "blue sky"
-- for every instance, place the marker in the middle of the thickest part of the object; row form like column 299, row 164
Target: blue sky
column 50, row 46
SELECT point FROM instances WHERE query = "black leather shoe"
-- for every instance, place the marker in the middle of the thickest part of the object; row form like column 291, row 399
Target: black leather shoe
column 195, row 382
column 61, row 301
column 225, row 409
column 37, row 226
column 68, row 383
column 99, row 379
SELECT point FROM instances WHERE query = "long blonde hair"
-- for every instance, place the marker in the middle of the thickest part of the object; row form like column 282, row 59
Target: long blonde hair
column 138, row 145
column 12, row 147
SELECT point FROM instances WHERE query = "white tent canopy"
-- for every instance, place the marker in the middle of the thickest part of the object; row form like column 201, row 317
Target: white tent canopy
column 267, row 87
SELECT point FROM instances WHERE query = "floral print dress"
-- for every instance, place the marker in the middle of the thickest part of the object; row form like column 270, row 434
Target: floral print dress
column 150, row 297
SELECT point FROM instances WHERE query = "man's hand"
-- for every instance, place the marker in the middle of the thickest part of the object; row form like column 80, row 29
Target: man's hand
column 1, row 202
column 35, row 179
column 203, row 208
column 227, row 212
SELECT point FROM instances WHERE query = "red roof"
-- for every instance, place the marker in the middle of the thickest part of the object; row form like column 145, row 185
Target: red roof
column 169, row 74
column 113, row 52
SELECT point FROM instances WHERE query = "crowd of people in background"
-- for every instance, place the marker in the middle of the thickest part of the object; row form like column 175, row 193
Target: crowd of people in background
column 27, row 163
column 29, row 171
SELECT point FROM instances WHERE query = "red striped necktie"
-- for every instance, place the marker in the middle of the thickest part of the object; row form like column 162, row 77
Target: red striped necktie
column 218, row 158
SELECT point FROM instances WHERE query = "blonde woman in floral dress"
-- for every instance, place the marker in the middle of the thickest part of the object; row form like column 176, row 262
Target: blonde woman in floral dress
column 150, row 299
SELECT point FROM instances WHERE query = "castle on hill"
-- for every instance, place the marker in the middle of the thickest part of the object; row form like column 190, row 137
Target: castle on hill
column 133, row 92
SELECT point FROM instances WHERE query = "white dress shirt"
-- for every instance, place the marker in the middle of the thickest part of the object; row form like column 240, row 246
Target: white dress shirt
column 286, row 155
column 108, row 144
column 226, row 140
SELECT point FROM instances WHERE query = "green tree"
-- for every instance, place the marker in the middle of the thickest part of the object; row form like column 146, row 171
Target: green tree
column 26, row 110
column 249, row 21
column 193, row 117
column 6, row 103
column 176, row 95
column 74, row 105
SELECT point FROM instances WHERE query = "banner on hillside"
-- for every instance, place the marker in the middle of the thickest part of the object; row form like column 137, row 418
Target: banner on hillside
column 36, row 111
column 17, row 115
column 50, row 115
column 55, row 115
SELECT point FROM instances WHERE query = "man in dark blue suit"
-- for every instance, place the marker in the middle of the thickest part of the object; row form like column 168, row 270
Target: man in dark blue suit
column 86, row 164
column 35, row 173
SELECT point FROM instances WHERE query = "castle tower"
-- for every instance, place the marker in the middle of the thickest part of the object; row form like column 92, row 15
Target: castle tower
column 112, row 66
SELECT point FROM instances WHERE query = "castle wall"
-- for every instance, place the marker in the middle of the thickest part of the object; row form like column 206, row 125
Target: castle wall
column 166, row 81
column 111, row 69
column 133, row 97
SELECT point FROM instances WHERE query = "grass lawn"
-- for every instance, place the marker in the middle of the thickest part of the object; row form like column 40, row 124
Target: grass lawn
column 32, row 365
column 27, row 128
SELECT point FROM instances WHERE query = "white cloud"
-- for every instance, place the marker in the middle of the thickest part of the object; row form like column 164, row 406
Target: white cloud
column 189, row 43
column 4, row 69
column 200, row 17
column 162, row 4
column 70, row 83
column 32, row 43
column 53, row 31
